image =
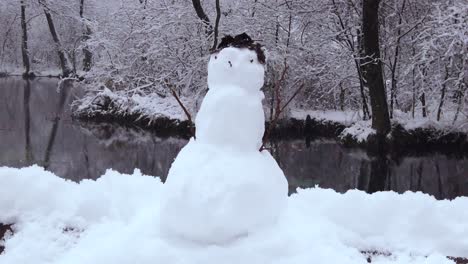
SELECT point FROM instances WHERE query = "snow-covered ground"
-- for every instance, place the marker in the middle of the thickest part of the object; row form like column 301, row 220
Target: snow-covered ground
column 44, row 72
column 152, row 107
column 360, row 129
column 115, row 219
column 445, row 124
column 343, row 117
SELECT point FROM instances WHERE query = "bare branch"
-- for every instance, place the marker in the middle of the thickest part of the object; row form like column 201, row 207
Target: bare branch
column 187, row 113
column 277, row 115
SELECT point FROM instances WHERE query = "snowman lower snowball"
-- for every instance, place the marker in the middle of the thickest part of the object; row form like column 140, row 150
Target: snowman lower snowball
column 221, row 187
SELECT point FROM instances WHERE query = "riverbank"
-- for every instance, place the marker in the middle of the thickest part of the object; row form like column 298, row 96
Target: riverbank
column 161, row 115
column 165, row 116
column 38, row 74
column 31, row 75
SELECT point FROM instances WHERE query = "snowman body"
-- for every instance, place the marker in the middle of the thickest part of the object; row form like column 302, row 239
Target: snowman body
column 221, row 187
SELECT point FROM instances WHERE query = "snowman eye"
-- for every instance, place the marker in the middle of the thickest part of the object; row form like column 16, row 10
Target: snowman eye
column 251, row 61
column 216, row 57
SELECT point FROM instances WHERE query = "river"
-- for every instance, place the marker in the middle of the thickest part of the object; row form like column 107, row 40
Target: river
column 36, row 128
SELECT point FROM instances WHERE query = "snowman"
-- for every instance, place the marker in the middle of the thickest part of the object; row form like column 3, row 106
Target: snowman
column 221, row 187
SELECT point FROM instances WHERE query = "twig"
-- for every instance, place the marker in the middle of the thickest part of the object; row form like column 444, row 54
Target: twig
column 292, row 97
column 276, row 96
column 277, row 114
column 278, row 86
column 189, row 117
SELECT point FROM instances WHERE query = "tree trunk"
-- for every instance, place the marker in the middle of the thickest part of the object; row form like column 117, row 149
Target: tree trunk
column 357, row 57
column 395, row 60
column 373, row 67
column 441, row 104
column 460, row 96
column 365, row 108
column 359, row 68
column 442, row 93
column 413, row 80
column 204, row 18
column 413, row 99
column 24, row 43
column 64, row 60
column 342, row 97
column 423, row 104
column 218, row 17
column 462, row 87
column 88, row 56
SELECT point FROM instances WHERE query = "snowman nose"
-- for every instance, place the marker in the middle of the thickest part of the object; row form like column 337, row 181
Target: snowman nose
column 230, row 64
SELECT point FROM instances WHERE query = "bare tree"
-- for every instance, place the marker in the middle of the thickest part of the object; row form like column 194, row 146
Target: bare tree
column 65, row 64
column 396, row 56
column 356, row 50
column 88, row 56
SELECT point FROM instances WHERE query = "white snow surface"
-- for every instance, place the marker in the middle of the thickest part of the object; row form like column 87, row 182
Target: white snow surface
column 344, row 117
column 115, row 219
column 151, row 106
column 349, row 118
column 360, row 130
column 221, row 177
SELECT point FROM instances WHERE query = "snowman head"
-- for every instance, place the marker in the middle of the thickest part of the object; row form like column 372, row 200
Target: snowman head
column 238, row 61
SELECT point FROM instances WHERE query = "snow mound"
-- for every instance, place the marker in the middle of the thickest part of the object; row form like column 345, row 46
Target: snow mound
column 119, row 103
column 346, row 118
column 360, row 131
column 115, row 220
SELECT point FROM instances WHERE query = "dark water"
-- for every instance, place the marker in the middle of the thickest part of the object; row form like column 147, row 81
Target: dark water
column 36, row 128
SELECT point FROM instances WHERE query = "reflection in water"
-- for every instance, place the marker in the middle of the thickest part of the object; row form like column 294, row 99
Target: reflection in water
column 63, row 92
column 36, row 128
column 27, row 120
column 329, row 165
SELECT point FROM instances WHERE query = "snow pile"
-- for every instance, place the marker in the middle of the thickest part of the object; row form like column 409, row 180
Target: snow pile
column 359, row 131
column 346, row 118
column 444, row 125
column 115, row 219
column 221, row 177
column 121, row 104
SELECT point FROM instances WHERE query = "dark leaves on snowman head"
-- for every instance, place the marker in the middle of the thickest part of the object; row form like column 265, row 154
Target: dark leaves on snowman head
column 242, row 41
column 226, row 41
